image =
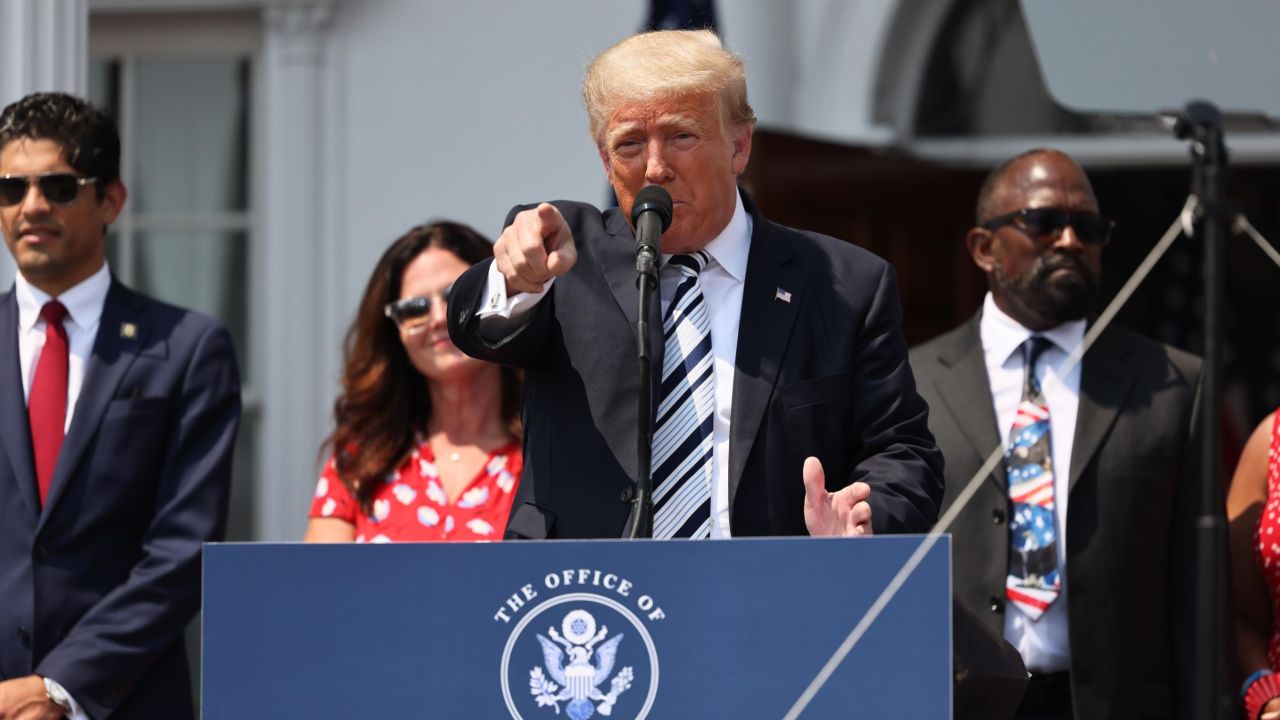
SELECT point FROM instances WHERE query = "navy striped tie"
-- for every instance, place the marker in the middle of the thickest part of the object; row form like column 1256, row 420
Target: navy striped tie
column 682, row 441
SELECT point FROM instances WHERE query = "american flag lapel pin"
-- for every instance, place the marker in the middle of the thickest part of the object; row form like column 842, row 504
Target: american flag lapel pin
column 128, row 330
column 782, row 296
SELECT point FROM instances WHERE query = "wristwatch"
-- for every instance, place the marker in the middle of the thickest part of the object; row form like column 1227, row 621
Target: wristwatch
column 58, row 695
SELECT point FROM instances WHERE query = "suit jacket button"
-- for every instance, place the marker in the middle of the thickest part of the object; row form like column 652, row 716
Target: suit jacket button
column 628, row 494
column 997, row 604
column 997, row 516
column 24, row 637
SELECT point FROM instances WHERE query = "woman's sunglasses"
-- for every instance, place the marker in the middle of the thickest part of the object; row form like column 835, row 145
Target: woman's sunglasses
column 412, row 313
column 59, row 188
column 1040, row 223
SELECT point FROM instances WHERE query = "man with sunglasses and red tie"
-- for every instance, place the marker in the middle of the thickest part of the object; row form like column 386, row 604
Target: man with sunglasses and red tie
column 1076, row 547
column 118, row 414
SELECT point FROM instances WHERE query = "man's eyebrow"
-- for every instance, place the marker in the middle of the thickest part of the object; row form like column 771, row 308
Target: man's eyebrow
column 683, row 122
column 621, row 129
column 666, row 122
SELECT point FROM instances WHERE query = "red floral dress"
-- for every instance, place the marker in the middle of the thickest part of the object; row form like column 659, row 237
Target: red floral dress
column 1267, row 540
column 412, row 505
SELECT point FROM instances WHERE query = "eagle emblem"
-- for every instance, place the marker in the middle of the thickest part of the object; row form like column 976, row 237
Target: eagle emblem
column 577, row 683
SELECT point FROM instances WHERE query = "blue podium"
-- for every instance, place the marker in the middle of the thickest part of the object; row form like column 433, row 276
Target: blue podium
column 573, row 629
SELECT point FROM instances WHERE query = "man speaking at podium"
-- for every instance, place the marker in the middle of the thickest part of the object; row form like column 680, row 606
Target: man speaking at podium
column 784, row 402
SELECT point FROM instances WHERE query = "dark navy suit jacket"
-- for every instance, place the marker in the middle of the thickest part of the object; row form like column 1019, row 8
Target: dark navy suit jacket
column 97, row 587
column 823, row 374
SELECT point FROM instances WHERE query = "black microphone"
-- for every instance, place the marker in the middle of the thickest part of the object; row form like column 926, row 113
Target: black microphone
column 651, row 216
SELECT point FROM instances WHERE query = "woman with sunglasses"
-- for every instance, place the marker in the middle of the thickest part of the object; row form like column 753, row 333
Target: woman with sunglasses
column 1253, row 512
column 427, row 440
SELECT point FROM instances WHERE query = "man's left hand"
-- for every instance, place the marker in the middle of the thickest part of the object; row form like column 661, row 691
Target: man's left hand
column 25, row 699
column 844, row 513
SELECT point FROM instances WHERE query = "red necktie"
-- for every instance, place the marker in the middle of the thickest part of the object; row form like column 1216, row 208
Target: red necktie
column 47, row 406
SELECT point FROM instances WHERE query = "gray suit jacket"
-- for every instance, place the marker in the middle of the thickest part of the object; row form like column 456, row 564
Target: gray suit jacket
column 1130, row 512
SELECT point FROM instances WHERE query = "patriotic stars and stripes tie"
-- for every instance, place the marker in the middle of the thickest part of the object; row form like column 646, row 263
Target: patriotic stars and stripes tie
column 1034, row 580
column 682, row 439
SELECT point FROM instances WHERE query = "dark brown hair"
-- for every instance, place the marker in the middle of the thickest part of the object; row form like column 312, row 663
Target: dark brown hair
column 88, row 136
column 385, row 401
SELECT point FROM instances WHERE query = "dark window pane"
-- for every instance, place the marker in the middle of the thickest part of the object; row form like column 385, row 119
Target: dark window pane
column 190, row 141
column 104, row 85
column 204, row 271
column 240, row 515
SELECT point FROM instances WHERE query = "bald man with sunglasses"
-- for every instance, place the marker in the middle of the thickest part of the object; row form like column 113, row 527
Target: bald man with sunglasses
column 1076, row 548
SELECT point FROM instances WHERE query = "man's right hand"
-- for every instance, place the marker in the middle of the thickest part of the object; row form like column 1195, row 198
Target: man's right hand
column 535, row 248
column 25, row 698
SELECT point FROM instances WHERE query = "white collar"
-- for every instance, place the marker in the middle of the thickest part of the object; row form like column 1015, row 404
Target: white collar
column 732, row 246
column 1002, row 335
column 84, row 300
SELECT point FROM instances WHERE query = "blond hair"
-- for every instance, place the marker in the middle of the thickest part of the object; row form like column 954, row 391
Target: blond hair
column 661, row 65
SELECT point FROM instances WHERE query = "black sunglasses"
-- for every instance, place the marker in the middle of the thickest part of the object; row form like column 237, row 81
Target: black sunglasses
column 1091, row 228
column 57, row 187
column 406, row 310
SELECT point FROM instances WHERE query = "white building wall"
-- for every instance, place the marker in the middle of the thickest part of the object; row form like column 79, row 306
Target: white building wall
column 460, row 110
column 812, row 64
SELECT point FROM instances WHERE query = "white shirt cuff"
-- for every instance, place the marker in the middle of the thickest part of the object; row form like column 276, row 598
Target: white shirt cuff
column 59, row 695
column 500, row 316
column 497, row 304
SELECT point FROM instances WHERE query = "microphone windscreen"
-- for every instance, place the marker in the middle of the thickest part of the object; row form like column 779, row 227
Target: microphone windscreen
column 655, row 198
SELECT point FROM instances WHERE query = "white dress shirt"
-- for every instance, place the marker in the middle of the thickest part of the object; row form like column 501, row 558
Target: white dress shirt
column 84, row 303
column 1043, row 644
column 721, row 282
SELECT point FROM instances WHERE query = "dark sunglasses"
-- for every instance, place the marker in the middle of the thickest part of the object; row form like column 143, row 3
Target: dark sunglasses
column 59, row 188
column 1091, row 228
column 406, row 312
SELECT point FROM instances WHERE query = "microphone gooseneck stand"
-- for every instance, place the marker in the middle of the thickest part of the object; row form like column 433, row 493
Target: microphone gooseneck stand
column 651, row 216
column 1201, row 123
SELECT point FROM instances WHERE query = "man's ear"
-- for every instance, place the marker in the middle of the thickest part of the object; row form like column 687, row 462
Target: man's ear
column 112, row 201
column 742, row 149
column 979, row 241
column 604, row 160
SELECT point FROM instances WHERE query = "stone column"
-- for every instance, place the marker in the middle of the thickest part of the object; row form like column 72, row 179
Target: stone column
column 296, row 264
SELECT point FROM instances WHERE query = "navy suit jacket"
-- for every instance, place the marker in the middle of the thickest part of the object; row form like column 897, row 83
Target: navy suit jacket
column 822, row 374
column 98, row 586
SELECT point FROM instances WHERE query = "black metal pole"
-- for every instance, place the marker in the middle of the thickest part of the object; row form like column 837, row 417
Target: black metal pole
column 640, row 522
column 650, row 216
column 1202, row 124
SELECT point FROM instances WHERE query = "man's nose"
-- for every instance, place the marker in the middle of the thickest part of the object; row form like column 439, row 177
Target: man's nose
column 34, row 202
column 657, row 169
column 1068, row 239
